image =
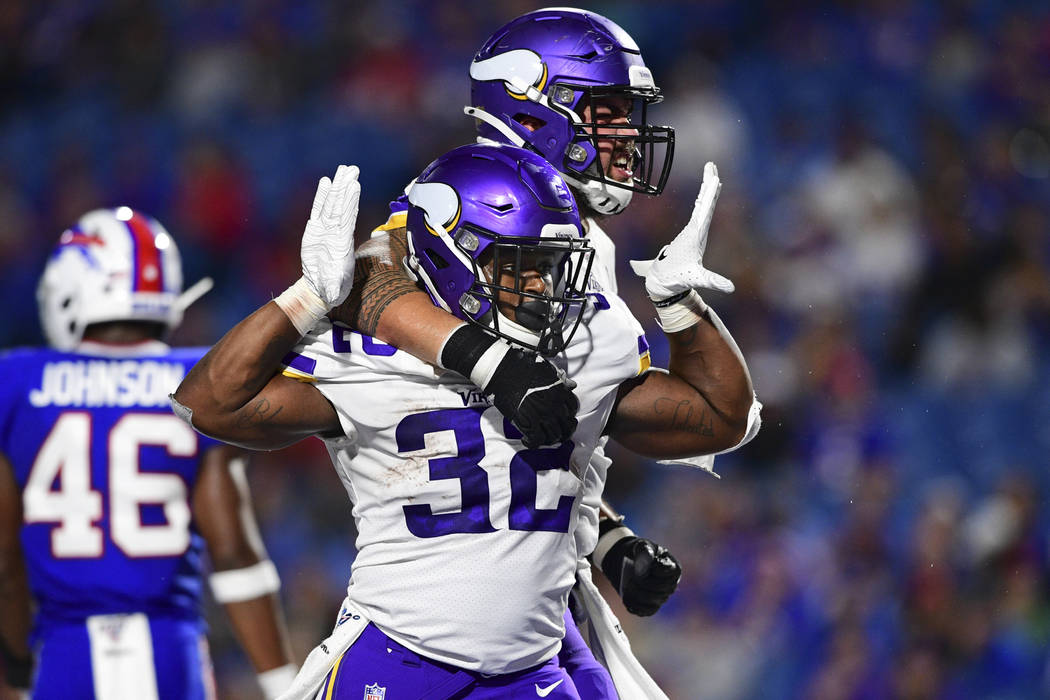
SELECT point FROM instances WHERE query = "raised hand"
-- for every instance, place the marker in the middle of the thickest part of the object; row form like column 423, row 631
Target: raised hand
column 328, row 240
column 679, row 267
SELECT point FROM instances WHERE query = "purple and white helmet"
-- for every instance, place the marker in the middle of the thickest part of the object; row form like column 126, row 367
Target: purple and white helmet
column 546, row 67
column 112, row 265
column 483, row 209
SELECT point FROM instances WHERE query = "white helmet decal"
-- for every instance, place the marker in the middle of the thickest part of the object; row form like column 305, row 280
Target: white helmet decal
column 520, row 69
column 439, row 202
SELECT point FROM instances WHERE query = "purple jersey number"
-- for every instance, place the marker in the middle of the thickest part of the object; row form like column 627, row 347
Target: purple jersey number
column 474, row 487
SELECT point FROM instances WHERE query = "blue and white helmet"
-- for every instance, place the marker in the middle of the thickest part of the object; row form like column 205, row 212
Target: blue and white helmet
column 544, row 68
column 112, row 265
column 480, row 210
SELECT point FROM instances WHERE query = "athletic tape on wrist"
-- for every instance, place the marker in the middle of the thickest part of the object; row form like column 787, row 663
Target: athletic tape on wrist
column 473, row 353
column 274, row 682
column 301, row 305
column 487, row 364
column 606, row 542
column 681, row 314
column 236, row 585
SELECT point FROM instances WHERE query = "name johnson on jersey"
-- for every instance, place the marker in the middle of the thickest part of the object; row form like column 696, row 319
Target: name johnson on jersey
column 106, row 383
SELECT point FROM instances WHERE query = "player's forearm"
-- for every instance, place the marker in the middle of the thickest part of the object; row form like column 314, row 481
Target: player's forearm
column 415, row 325
column 15, row 602
column 229, row 378
column 702, row 358
column 701, row 406
column 386, row 303
column 259, row 628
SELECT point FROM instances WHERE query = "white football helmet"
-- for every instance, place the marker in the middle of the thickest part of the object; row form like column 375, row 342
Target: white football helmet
column 112, row 265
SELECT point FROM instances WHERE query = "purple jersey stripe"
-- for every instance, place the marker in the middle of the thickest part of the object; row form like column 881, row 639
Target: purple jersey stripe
column 643, row 345
column 300, row 362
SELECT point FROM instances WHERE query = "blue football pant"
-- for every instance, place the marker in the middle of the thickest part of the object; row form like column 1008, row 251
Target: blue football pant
column 181, row 664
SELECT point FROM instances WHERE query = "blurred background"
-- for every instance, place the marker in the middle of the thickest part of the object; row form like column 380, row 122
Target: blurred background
column 884, row 214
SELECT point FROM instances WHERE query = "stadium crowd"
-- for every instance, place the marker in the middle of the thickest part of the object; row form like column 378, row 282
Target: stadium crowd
column 886, row 169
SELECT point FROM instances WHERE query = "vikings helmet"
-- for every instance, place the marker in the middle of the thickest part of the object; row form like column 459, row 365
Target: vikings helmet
column 545, row 68
column 482, row 214
column 112, row 265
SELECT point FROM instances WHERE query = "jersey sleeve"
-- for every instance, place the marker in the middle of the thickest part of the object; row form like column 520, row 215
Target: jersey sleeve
column 318, row 359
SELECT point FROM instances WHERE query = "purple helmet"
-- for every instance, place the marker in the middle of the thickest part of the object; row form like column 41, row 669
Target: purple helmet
column 544, row 68
column 484, row 214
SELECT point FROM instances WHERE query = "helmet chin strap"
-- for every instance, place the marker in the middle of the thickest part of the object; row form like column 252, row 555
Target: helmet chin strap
column 496, row 124
column 516, row 331
column 605, row 200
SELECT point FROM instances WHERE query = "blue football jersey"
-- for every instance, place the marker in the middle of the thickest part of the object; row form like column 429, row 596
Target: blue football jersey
column 106, row 472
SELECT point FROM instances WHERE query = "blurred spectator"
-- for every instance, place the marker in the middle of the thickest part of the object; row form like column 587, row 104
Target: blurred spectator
column 886, row 168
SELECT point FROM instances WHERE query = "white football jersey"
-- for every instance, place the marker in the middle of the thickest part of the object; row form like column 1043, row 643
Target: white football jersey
column 466, row 540
column 603, row 288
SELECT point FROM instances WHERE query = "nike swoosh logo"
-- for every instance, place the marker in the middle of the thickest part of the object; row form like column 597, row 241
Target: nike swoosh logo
column 544, row 692
column 662, row 255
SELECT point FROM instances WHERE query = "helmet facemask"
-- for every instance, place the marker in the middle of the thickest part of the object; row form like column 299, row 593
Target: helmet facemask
column 508, row 278
column 648, row 148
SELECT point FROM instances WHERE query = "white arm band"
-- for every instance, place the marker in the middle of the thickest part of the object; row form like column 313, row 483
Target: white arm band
column 301, row 305
column 682, row 314
column 274, row 682
column 236, row 585
column 606, row 541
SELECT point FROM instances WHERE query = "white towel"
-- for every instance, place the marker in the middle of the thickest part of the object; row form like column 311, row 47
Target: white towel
column 610, row 645
column 348, row 627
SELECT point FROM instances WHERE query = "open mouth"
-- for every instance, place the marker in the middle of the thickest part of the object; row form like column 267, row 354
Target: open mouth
column 621, row 168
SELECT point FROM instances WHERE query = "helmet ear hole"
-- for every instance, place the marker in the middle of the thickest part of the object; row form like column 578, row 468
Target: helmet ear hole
column 435, row 257
column 530, row 122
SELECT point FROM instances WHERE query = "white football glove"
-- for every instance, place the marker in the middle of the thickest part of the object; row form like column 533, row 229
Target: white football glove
column 679, row 267
column 328, row 241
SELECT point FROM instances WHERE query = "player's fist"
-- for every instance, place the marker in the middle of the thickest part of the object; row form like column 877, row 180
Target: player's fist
column 643, row 572
column 536, row 397
column 527, row 389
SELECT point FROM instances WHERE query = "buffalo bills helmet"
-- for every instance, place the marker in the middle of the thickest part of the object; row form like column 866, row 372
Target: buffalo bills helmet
column 112, row 265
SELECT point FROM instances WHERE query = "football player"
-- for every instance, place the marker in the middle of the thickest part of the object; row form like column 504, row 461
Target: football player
column 467, row 536
column 571, row 86
column 107, row 500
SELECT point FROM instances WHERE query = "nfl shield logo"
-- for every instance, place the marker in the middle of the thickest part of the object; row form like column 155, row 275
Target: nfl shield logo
column 375, row 692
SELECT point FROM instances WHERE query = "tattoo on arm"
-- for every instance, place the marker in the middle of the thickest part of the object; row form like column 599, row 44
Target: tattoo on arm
column 378, row 281
column 380, row 291
column 259, row 414
column 685, row 417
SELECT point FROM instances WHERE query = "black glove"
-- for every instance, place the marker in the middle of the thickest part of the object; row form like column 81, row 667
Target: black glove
column 527, row 389
column 644, row 573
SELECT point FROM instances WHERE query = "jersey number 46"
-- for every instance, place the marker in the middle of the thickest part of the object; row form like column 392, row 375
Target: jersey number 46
column 64, row 460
